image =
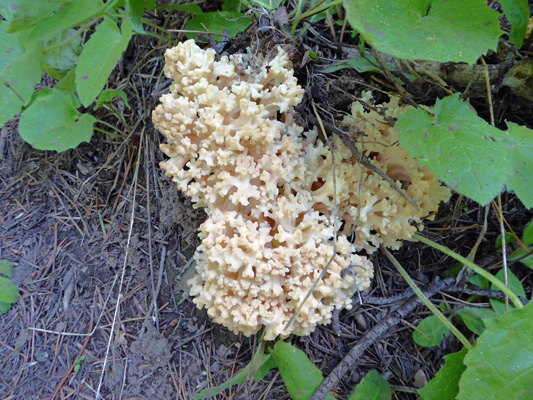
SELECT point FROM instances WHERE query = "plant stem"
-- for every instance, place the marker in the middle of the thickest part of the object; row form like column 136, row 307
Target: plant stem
column 316, row 10
column 491, row 278
column 426, row 301
column 106, row 132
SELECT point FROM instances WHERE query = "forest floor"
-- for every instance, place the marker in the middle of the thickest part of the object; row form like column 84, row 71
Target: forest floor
column 100, row 240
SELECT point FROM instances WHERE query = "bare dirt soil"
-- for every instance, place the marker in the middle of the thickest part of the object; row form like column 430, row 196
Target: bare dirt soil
column 100, row 240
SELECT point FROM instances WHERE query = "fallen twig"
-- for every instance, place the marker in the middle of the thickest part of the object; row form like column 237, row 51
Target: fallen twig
column 85, row 343
column 363, row 159
column 350, row 360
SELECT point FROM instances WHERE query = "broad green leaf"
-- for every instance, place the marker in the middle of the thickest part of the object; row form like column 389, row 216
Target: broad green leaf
column 467, row 153
column 517, row 12
column 8, row 291
column 135, row 10
column 445, row 385
column 149, row 5
column 438, row 30
column 71, row 15
column 24, row 14
column 9, row 9
column 299, row 374
column 372, row 387
column 10, row 47
column 509, row 238
column 500, row 366
column 67, row 85
column 473, row 318
column 19, row 73
column 4, row 307
column 188, row 8
column 218, row 22
column 6, row 267
column 52, row 122
column 231, row 5
column 433, row 329
column 57, row 62
column 261, row 364
column 513, row 283
column 479, row 281
column 108, row 95
column 99, row 56
column 521, row 254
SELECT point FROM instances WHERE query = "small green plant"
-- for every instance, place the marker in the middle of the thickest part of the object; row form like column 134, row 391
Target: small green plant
column 77, row 363
column 46, row 36
column 300, row 375
column 8, row 291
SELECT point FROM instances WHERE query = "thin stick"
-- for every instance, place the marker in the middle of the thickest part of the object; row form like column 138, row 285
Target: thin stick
column 85, row 343
column 504, row 249
column 363, row 159
column 350, row 360
column 149, row 215
column 130, row 232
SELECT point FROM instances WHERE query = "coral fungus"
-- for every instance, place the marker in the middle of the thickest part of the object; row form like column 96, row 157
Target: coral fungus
column 276, row 216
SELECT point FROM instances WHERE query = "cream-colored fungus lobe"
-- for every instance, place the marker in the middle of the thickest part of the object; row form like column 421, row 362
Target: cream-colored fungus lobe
column 267, row 187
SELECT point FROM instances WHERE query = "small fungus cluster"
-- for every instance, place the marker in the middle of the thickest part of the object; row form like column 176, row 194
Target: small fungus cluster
column 276, row 214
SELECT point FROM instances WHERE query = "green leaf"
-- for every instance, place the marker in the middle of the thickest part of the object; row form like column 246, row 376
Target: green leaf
column 24, row 14
column 6, row 267
column 509, row 238
column 261, row 363
column 473, row 318
column 231, row 5
column 67, row 84
column 360, row 64
column 300, row 375
column 8, row 291
column 218, row 22
column 372, row 387
column 51, row 122
column 521, row 253
column 450, row 30
column 20, row 71
column 99, row 56
column 149, row 5
column 528, row 234
column 72, row 14
column 513, row 283
column 500, row 366
column 135, row 10
column 517, row 12
column 188, row 8
column 445, row 385
column 4, row 307
column 467, row 153
column 479, row 281
column 433, row 329
column 108, row 95
column 57, row 62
